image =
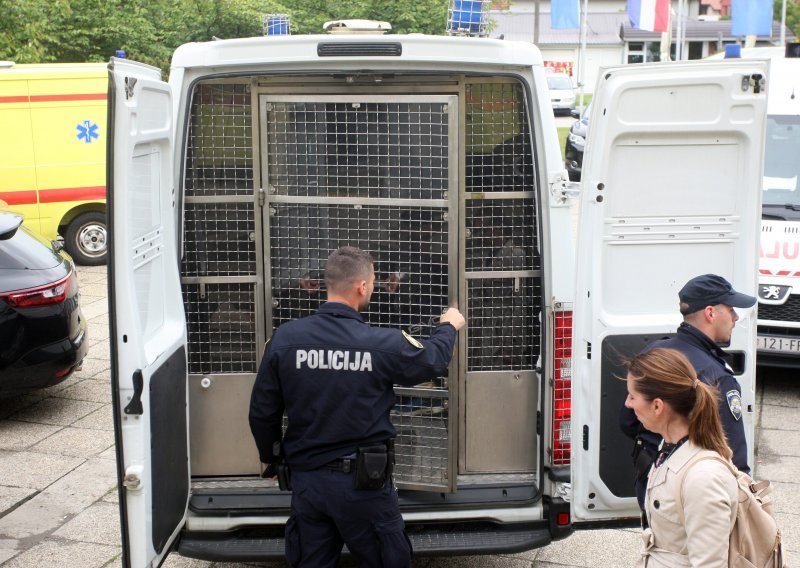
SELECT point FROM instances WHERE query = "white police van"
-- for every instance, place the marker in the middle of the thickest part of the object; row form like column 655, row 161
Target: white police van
column 230, row 185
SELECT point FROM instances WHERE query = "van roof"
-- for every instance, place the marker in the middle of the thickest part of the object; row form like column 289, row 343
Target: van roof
column 52, row 70
column 417, row 50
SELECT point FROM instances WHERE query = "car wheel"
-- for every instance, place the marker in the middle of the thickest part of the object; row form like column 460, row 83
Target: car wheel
column 85, row 239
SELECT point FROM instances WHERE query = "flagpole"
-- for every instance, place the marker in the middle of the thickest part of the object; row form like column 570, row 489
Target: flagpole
column 582, row 51
column 783, row 24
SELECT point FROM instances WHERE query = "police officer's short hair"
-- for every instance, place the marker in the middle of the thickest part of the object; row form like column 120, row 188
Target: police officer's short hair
column 345, row 266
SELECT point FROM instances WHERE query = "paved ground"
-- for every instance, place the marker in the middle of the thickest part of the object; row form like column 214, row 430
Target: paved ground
column 58, row 502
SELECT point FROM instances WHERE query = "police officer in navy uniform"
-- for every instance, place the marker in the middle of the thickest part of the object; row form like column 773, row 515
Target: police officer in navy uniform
column 333, row 375
column 707, row 304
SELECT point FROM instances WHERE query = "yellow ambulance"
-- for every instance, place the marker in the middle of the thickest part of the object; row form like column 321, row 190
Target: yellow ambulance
column 52, row 152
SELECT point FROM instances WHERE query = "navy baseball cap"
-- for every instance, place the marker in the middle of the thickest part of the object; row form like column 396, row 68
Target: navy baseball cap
column 710, row 290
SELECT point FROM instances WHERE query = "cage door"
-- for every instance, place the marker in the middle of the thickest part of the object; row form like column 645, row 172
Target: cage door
column 377, row 172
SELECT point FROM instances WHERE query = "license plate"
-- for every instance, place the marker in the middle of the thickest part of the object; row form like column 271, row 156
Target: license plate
column 778, row 344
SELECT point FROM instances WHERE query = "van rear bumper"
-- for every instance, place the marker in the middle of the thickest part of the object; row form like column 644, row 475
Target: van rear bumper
column 427, row 540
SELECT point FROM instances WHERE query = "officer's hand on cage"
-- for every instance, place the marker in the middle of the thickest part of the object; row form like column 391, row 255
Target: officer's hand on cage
column 453, row 317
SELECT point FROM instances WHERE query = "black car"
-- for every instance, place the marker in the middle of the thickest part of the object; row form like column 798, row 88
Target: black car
column 576, row 140
column 42, row 330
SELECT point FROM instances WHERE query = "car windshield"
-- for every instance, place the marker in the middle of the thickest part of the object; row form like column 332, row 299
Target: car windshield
column 781, row 166
column 559, row 83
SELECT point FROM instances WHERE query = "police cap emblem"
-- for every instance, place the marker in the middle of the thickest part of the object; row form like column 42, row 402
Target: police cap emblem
column 413, row 341
column 734, row 403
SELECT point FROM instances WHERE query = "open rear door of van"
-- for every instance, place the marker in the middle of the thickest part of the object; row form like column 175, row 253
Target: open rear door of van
column 670, row 190
column 148, row 332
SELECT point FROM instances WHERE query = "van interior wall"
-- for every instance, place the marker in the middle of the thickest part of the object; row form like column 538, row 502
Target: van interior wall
column 438, row 187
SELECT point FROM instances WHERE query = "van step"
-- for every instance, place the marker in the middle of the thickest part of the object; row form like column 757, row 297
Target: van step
column 480, row 538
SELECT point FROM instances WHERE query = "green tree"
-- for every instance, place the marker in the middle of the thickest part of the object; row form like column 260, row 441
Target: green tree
column 792, row 14
column 42, row 31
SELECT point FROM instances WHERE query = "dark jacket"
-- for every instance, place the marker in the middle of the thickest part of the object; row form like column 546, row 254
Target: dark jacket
column 333, row 375
column 707, row 359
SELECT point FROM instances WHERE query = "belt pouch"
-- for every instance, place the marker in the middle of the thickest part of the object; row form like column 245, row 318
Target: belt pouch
column 371, row 467
column 284, row 477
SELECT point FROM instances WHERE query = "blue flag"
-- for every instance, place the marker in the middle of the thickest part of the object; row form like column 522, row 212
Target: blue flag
column 751, row 17
column 564, row 14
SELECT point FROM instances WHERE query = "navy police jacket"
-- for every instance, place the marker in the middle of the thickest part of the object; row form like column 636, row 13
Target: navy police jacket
column 333, row 375
column 707, row 359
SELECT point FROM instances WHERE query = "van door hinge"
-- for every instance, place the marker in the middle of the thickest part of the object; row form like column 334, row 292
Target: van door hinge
column 585, row 437
column 261, row 197
column 538, row 423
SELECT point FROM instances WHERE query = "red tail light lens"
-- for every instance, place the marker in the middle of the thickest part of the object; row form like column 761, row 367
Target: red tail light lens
column 562, row 387
column 54, row 293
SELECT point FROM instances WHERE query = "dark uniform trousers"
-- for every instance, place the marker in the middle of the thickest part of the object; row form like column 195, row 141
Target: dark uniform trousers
column 327, row 511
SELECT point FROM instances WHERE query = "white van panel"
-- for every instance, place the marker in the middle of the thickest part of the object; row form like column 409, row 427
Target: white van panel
column 672, row 157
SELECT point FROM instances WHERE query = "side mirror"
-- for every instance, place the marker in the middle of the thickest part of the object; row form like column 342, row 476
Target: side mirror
column 575, row 113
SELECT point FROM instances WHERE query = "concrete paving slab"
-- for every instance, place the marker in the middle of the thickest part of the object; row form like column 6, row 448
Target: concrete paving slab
column 789, row 523
column 80, row 442
column 177, row 561
column 112, row 496
column 16, row 435
column 102, row 419
column 93, row 366
column 495, row 561
column 778, row 468
column 57, row 411
column 93, row 287
column 87, row 483
column 39, row 516
column 101, row 349
column 98, row 524
column 33, row 469
column 109, row 454
column 783, row 391
column 778, row 442
column 774, row 417
column 12, row 497
column 54, row 554
column 99, row 320
column 10, row 406
column 786, row 497
column 89, row 390
column 6, row 554
column 594, row 549
column 93, row 309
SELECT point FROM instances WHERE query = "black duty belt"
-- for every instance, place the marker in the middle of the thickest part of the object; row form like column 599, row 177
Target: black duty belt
column 345, row 465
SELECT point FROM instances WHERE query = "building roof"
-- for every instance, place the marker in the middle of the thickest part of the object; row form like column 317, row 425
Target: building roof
column 602, row 29
column 699, row 30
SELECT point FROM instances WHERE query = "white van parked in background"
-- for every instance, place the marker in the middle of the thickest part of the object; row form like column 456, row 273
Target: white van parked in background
column 231, row 184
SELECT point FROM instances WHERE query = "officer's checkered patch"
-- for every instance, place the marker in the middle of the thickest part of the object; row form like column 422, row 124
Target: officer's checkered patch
column 734, row 403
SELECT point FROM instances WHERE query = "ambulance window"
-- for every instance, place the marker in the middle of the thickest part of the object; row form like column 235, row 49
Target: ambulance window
column 781, row 167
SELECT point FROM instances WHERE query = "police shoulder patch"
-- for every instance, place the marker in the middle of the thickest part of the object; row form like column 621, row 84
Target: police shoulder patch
column 734, row 403
column 413, row 341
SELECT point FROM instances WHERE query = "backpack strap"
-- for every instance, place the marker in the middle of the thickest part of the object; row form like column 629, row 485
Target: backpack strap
column 699, row 456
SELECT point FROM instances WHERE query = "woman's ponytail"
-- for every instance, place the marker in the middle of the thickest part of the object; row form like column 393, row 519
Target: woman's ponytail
column 705, row 427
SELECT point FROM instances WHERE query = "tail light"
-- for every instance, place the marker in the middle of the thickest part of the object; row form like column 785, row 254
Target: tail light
column 53, row 293
column 562, row 385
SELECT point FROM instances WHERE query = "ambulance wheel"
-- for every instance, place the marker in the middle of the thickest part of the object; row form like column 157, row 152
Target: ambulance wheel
column 85, row 239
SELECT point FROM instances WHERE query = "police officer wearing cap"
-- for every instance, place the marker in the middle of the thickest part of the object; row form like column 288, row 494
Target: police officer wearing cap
column 333, row 374
column 707, row 304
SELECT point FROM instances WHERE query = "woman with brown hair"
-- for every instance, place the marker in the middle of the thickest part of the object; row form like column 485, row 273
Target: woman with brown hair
column 668, row 398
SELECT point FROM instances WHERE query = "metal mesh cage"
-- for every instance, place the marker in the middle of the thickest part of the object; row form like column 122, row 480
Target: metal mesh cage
column 499, row 156
column 219, row 239
column 501, row 235
column 409, row 245
column 370, row 149
column 219, row 160
column 220, row 320
column 421, row 446
column 276, row 24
